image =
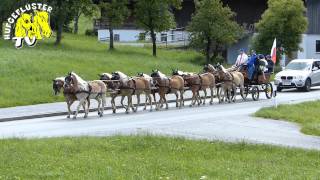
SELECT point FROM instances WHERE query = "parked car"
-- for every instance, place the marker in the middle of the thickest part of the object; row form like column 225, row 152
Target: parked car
column 299, row 73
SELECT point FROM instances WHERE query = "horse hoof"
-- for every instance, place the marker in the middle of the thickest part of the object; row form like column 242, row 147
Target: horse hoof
column 127, row 112
column 68, row 116
column 114, row 111
column 74, row 117
column 85, row 116
column 151, row 110
column 211, row 103
column 190, row 105
column 101, row 115
column 167, row 108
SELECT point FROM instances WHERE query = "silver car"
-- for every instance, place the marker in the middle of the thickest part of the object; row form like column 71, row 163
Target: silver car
column 299, row 73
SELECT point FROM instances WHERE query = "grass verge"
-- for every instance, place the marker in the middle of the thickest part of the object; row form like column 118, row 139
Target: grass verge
column 26, row 74
column 305, row 114
column 147, row 157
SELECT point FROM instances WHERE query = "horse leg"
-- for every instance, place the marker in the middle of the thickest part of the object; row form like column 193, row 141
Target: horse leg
column 122, row 98
column 78, row 107
column 165, row 100
column 181, row 98
column 177, row 99
column 99, row 104
column 128, row 106
column 146, row 102
column 211, row 92
column 194, row 98
column 234, row 93
column 150, row 100
column 69, row 103
column 155, row 100
column 138, row 103
column 205, row 96
column 103, row 103
column 242, row 91
column 113, row 104
column 86, row 110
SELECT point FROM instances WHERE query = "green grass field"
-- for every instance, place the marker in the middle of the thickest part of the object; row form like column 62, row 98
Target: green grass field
column 26, row 74
column 305, row 114
column 147, row 157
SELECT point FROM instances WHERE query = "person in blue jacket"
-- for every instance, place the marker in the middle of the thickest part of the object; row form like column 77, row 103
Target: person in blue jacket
column 251, row 65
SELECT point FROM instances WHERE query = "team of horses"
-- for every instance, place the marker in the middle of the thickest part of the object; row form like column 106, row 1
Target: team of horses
column 221, row 82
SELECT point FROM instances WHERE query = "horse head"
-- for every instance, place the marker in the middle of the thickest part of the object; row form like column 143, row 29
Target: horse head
column 41, row 19
column 57, row 85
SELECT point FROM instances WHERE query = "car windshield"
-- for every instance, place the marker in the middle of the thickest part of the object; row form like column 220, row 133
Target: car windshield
column 298, row 66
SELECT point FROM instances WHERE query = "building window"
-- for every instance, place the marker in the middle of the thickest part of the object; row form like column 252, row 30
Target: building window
column 318, row 46
column 116, row 37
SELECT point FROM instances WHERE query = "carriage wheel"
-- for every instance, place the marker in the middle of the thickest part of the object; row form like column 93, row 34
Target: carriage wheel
column 268, row 90
column 255, row 93
column 245, row 92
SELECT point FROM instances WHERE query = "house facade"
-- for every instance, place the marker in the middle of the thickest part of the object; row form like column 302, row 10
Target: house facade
column 248, row 12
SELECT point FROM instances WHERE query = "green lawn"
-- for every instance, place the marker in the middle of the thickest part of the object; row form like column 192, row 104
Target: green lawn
column 26, row 74
column 147, row 157
column 306, row 114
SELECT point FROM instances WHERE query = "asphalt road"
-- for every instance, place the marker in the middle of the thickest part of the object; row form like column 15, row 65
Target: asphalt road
column 227, row 122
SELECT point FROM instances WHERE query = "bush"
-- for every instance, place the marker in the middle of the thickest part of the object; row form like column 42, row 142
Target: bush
column 91, row 32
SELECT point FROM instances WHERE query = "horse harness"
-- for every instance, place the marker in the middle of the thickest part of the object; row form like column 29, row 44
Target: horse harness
column 89, row 92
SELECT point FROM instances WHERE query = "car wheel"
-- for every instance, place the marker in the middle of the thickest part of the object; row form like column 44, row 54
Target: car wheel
column 279, row 89
column 307, row 85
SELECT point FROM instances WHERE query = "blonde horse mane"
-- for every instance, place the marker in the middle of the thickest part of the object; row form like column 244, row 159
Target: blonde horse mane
column 106, row 74
column 60, row 79
column 80, row 83
column 122, row 75
column 162, row 75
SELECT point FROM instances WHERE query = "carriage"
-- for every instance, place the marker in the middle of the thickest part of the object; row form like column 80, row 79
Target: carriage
column 259, row 84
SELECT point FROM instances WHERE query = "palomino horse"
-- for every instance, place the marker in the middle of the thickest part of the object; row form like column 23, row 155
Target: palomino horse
column 106, row 78
column 198, row 82
column 231, row 80
column 153, row 90
column 131, row 86
column 167, row 85
column 86, row 90
column 212, row 70
column 70, row 97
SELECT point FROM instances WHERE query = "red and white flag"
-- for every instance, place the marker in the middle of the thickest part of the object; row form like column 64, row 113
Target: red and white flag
column 274, row 51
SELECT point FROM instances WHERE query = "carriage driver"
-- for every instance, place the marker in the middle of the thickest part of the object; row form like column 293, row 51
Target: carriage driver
column 242, row 59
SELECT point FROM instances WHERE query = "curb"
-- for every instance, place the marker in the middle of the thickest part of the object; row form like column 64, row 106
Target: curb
column 65, row 113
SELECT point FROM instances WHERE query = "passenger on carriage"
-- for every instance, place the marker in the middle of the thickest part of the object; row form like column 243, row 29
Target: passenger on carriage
column 242, row 60
column 251, row 65
column 261, row 66
column 270, row 65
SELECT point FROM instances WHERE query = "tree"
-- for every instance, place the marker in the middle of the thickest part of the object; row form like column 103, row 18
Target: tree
column 83, row 7
column 62, row 15
column 212, row 27
column 284, row 20
column 7, row 7
column 116, row 13
column 155, row 16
